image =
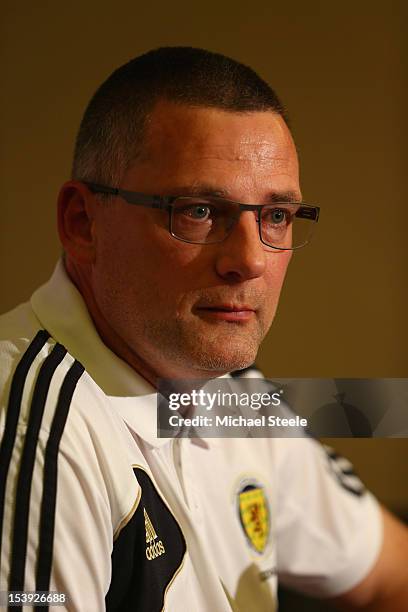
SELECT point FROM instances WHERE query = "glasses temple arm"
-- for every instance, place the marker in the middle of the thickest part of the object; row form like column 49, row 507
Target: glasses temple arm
column 132, row 197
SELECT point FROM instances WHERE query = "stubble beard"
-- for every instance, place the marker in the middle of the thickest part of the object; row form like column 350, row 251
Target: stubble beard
column 216, row 352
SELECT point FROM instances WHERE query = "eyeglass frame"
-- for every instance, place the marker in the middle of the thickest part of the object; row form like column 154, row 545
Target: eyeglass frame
column 135, row 198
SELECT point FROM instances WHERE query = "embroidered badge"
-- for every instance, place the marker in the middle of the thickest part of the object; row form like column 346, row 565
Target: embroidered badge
column 254, row 515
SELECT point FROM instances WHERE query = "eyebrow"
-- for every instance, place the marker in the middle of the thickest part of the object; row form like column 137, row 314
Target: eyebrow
column 204, row 189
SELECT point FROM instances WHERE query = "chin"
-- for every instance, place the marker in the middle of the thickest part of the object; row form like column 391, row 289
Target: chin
column 222, row 363
column 201, row 353
column 223, row 353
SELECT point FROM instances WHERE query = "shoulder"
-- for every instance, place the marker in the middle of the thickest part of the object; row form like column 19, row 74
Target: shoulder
column 17, row 328
column 52, row 410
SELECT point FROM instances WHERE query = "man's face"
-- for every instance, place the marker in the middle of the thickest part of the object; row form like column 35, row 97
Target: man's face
column 186, row 309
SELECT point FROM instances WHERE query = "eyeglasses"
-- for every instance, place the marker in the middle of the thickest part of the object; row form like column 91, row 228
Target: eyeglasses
column 209, row 219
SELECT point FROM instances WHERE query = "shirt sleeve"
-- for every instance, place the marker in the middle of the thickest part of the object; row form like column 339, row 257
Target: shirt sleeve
column 329, row 527
column 60, row 498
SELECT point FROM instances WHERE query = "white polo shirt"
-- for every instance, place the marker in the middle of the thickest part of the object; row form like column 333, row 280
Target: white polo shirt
column 94, row 506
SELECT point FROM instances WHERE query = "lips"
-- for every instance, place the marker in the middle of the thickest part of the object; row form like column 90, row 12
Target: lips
column 227, row 308
column 227, row 312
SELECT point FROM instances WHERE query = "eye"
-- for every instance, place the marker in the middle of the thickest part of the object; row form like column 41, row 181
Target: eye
column 195, row 210
column 277, row 216
column 200, row 212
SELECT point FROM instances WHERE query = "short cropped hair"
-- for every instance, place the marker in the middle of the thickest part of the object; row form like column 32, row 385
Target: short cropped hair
column 111, row 134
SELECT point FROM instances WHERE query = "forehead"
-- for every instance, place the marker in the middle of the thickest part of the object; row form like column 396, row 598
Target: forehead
column 187, row 141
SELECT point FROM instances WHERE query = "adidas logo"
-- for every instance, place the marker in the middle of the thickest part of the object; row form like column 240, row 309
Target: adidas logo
column 154, row 547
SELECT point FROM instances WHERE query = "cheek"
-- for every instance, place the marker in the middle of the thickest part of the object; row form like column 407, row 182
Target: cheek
column 143, row 259
column 275, row 274
column 277, row 263
column 118, row 265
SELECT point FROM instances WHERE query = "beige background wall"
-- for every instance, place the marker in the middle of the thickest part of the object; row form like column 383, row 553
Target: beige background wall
column 341, row 70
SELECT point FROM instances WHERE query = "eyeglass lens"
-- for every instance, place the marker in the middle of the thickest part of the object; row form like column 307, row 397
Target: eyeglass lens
column 210, row 220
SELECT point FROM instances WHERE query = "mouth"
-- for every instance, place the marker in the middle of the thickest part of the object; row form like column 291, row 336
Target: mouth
column 235, row 313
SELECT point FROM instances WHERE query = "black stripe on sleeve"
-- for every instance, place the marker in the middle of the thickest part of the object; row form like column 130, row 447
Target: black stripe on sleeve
column 13, row 412
column 22, row 503
column 49, row 497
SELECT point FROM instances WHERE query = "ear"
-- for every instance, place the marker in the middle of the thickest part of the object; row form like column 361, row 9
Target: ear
column 76, row 206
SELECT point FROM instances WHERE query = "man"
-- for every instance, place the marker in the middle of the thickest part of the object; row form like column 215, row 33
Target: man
column 164, row 275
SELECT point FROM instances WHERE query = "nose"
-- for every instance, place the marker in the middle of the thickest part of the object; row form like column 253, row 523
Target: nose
column 241, row 256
